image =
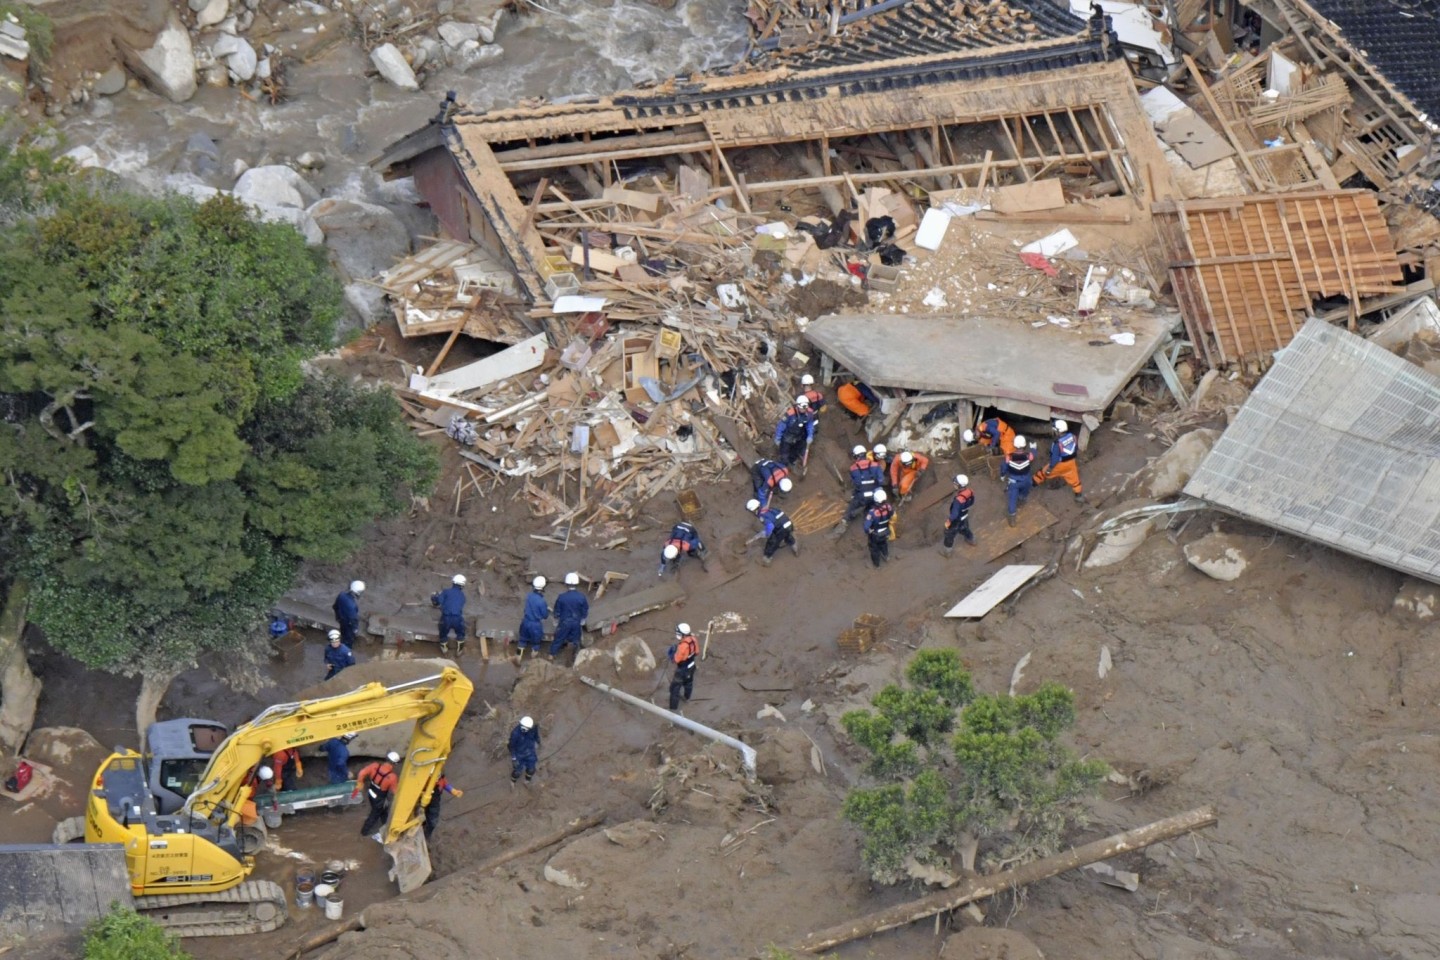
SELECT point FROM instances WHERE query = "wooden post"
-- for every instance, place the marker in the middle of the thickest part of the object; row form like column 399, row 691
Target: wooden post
column 981, row 887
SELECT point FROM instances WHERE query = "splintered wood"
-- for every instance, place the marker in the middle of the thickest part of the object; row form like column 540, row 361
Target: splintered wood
column 816, row 513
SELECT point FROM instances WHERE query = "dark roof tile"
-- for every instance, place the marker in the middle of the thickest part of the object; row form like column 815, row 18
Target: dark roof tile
column 1399, row 38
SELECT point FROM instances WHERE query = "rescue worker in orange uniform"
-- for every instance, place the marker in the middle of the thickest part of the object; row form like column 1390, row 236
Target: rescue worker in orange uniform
column 685, row 654
column 378, row 780
column 288, row 768
column 857, row 399
column 816, row 398
column 1063, row 466
column 905, row 471
column 958, row 523
column 995, row 434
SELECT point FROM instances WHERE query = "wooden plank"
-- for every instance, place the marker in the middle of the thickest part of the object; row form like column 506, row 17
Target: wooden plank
column 638, row 199
column 729, row 174
column 1001, row 584
column 525, row 355
column 599, row 259
column 1028, row 197
column 998, row 538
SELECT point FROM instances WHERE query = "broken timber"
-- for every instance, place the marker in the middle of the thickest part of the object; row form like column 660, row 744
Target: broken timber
column 611, row 612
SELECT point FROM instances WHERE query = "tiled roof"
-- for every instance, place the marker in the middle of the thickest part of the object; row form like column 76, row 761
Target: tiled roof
column 1399, row 38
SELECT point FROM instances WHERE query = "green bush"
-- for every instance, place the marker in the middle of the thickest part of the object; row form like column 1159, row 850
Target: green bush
column 123, row 934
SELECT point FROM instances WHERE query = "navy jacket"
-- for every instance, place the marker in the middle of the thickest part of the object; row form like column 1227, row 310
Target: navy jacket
column 524, row 743
column 571, row 607
column 339, row 657
column 336, row 752
column 451, row 601
column 960, row 504
column 347, row 608
column 535, row 607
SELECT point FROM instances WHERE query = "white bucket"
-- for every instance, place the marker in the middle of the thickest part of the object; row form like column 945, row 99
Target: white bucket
column 334, row 908
column 323, row 891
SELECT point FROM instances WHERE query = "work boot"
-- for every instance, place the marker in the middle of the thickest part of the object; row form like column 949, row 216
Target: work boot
column 1014, row 521
column 970, row 542
column 444, row 647
column 765, row 561
column 1080, row 498
column 795, row 549
column 947, row 551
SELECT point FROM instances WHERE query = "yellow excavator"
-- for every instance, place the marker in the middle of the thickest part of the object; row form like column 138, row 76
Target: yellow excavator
column 189, row 869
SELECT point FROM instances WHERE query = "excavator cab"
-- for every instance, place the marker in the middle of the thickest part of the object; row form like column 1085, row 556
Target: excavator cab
column 179, row 751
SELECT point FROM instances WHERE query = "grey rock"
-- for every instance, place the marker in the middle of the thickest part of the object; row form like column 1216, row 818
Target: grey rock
column 392, row 66
column 211, row 13
column 168, row 65
column 112, row 81
column 454, row 33
column 243, row 61
column 1218, row 556
column 225, row 44
column 275, row 185
column 262, row 69
column 189, row 186
column 201, row 158
column 1417, row 599
column 245, row 20
column 367, row 304
column 99, row 109
column 198, row 5
column 481, row 56
column 199, row 143
column 310, row 160
column 364, row 238
column 227, row 25
column 1168, row 474
column 83, row 156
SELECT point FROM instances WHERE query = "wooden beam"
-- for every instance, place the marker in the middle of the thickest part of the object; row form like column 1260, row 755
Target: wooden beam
column 568, row 149
column 730, row 174
column 1229, row 131
column 550, row 163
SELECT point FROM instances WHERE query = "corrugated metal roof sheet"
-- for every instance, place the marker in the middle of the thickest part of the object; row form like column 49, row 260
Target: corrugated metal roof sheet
column 1340, row 444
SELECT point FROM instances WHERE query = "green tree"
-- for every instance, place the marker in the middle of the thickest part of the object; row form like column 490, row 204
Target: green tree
column 167, row 462
column 956, row 770
column 123, row 934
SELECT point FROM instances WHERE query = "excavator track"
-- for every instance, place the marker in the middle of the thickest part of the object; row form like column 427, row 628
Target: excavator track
column 255, row 906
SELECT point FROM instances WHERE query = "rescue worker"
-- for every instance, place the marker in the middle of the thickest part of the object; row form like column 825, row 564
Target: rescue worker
column 905, row 472
column 816, row 398
column 432, row 809
column 857, row 398
column 685, row 654
column 795, row 431
column 532, row 623
column 1063, row 465
column 347, row 612
column 337, row 655
column 770, row 476
column 993, row 433
column 1015, row 473
column 451, row 602
column 378, row 780
column 776, row 528
column 572, row 609
column 524, row 750
column 288, row 768
column 881, row 455
column 877, row 528
column 866, row 477
column 684, row 541
column 337, row 757
column 958, row 523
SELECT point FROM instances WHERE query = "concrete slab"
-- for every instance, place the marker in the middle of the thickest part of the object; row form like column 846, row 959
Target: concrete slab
column 47, row 890
column 994, row 361
column 613, row 611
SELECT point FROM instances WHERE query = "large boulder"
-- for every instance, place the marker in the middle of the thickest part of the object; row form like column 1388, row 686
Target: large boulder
column 168, row 65
column 112, row 81
column 1167, row 475
column 275, row 186
column 989, row 943
column 392, row 65
column 1219, row 556
column 190, row 186
column 364, row 237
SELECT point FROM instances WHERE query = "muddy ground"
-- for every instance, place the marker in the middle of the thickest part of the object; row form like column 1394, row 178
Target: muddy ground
column 1293, row 699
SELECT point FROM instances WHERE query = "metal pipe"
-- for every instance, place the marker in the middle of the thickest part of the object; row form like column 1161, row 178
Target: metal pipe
column 747, row 753
column 1151, row 510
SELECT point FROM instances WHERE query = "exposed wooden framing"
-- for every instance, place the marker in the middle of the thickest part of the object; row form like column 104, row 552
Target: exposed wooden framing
column 1273, row 259
column 636, row 153
column 1345, row 251
column 1225, row 127
column 664, row 138
column 730, row 176
column 1055, row 132
column 1122, row 175
column 1014, row 148
column 534, row 207
column 1219, row 273
column 824, row 154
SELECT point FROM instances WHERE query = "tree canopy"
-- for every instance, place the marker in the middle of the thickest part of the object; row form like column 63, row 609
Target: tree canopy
column 955, row 768
column 167, row 460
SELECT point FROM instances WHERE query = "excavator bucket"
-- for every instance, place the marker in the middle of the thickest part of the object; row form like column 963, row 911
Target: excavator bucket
column 410, row 856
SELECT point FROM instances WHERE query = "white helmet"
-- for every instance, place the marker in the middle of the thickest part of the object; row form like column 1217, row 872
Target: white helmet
column 1019, row 442
column 752, row 505
column 969, row 436
column 881, row 450
column 1061, row 426
column 393, row 757
column 858, row 451
column 879, row 496
column 357, row 586
column 538, row 583
column 526, row 723
column 334, row 636
column 785, row 485
column 961, row 480
column 807, row 381
column 671, row 551
column 265, row 773
column 907, row 457
column 681, row 629
column 458, row 579
column 802, row 401
column 572, row 579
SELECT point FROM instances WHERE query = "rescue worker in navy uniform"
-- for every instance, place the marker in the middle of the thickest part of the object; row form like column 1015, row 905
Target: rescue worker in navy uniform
column 777, row 529
column 337, row 655
column 770, row 477
column 877, row 528
column 451, row 602
column 685, row 654
column 795, row 431
column 378, row 780
column 532, row 622
column 1015, row 473
column 958, row 523
column 347, row 612
column 684, row 541
column 866, row 477
column 572, row 609
column 337, row 757
column 432, row 809
column 524, row 750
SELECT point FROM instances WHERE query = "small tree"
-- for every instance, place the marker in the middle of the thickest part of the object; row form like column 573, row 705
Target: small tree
column 122, row 934
column 955, row 770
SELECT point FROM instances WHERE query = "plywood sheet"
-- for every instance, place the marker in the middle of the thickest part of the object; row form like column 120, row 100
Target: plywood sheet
column 1001, row 584
column 1025, row 197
